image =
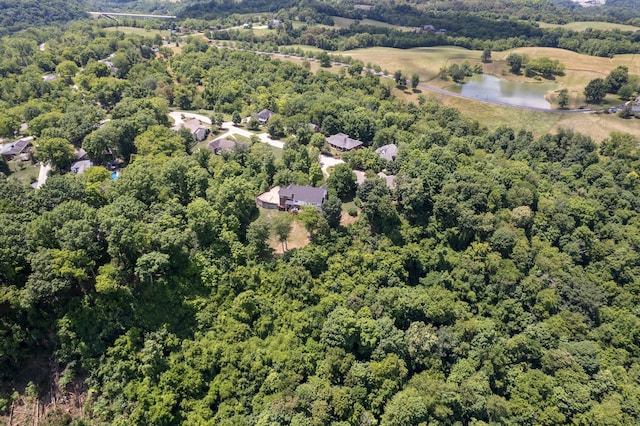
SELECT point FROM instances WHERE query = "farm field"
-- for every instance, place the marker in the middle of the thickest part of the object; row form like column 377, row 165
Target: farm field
column 426, row 61
column 596, row 25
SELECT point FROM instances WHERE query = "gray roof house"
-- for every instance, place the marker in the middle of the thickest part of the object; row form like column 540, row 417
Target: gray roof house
column 222, row 145
column 343, row 142
column 294, row 196
column 10, row 150
column 80, row 166
column 264, row 115
column 269, row 199
column 388, row 152
column 197, row 129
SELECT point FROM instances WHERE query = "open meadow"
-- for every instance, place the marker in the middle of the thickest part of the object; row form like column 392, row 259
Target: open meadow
column 426, row 61
column 140, row 31
column 597, row 126
column 596, row 25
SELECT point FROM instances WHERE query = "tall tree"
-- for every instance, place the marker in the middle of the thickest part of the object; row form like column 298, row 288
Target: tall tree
column 281, row 226
column 57, row 151
column 342, row 181
column 595, row 91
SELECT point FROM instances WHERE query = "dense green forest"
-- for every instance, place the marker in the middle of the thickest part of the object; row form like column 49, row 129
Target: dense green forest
column 497, row 283
column 21, row 14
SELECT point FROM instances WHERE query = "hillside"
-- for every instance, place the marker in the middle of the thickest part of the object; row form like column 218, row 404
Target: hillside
column 21, row 14
column 494, row 280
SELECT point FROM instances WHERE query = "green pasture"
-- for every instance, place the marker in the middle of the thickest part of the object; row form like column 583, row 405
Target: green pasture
column 426, row 61
column 139, row 31
column 596, row 25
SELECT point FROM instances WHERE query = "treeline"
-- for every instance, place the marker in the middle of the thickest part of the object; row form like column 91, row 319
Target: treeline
column 590, row 42
column 217, row 8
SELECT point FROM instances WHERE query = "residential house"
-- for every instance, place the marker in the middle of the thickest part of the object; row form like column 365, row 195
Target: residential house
column 390, row 180
column 264, row 116
column 269, row 199
column 80, row 154
column 388, row 152
column 343, row 142
column 428, row 28
column 80, row 166
column 222, row 145
column 107, row 61
column 10, row 150
column 198, row 130
column 360, row 177
column 294, row 196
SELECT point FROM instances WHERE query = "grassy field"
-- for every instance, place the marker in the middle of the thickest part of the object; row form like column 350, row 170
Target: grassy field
column 305, row 48
column 426, row 61
column 140, row 31
column 23, row 171
column 597, row 126
column 596, row 25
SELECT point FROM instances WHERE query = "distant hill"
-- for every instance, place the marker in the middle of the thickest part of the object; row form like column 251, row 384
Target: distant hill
column 160, row 7
column 20, row 14
column 216, row 8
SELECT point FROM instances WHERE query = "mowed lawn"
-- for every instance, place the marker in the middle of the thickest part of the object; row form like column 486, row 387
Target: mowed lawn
column 596, row 25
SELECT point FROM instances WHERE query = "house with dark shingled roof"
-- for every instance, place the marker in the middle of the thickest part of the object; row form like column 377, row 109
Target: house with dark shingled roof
column 295, row 196
column 343, row 142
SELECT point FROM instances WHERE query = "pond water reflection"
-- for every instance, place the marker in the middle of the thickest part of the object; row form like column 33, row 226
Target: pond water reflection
column 492, row 88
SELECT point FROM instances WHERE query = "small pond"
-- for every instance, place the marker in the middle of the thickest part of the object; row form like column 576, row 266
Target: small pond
column 492, row 88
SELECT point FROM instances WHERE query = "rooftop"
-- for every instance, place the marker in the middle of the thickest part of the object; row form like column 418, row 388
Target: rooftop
column 388, row 152
column 15, row 148
column 343, row 141
column 305, row 194
column 225, row 145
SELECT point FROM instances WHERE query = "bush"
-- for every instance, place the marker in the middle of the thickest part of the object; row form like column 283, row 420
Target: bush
column 353, row 212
